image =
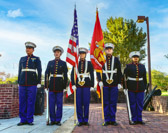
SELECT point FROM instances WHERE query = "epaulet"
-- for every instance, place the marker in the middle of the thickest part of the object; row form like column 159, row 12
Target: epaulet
column 23, row 56
column 141, row 64
column 62, row 61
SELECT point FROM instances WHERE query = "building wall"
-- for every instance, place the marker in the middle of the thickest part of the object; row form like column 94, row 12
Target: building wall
column 9, row 101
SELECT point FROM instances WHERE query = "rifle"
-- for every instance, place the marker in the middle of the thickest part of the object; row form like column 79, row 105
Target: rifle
column 47, row 101
column 127, row 101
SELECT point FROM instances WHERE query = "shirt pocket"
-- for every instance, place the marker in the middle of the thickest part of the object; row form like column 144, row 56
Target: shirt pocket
column 23, row 63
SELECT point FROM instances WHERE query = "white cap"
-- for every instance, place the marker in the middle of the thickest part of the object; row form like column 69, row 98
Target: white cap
column 134, row 53
column 109, row 45
column 30, row 44
column 58, row 48
column 82, row 50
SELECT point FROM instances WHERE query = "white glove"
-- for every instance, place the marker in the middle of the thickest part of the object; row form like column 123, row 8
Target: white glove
column 145, row 91
column 73, row 87
column 91, row 88
column 119, row 86
column 101, row 84
column 38, row 85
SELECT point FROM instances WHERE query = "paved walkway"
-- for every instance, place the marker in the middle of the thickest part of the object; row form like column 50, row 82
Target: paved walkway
column 10, row 125
column 155, row 122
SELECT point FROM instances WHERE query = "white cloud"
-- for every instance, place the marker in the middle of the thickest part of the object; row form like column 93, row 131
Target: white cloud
column 160, row 24
column 15, row 13
column 165, row 10
column 102, row 5
column 14, row 35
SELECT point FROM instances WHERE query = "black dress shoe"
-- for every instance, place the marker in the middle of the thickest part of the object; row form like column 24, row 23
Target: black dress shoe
column 58, row 123
column 79, row 124
column 21, row 124
column 31, row 124
column 52, row 123
column 141, row 122
column 106, row 124
column 85, row 123
column 114, row 123
column 132, row 122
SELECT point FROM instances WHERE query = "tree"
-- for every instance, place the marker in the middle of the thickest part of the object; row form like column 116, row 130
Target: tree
column 160, row 79
column 126, row 37
column 166, row 56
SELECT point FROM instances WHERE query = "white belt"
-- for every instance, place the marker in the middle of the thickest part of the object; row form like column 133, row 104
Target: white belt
column 84, row 75
column 56, row 75
column 135, row 79
column 109, row 71
column 29, row 70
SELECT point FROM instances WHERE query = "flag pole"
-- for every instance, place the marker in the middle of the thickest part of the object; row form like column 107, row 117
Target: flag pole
column 75, row 97
column 75, row 90
column 102, row 100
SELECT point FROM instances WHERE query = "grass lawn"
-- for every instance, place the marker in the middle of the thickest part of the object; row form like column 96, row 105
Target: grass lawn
column 164, row 93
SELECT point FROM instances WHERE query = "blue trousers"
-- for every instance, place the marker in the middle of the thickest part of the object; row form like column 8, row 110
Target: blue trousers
column 110, row 98
column 55, row 99
column 136, row 105
column 27, row 99
column 82, row 103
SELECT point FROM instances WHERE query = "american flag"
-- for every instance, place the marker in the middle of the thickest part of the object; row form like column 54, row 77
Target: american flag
column 72, row 52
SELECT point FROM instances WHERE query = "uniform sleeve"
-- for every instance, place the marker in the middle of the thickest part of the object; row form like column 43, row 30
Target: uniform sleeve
column 91, row 74
column 72, row 76
column 126, row 70
column 119, row 73
column 125, row 76
column 47, row 75
column 39, row 70
column 98, row 76
column 144, row 78
column 65, row 75
column 19, row 72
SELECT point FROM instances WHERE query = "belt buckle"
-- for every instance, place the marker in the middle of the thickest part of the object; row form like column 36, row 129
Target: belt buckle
column 81, row 83
column 137, row 79
column 55, row 75
column 81, row 76
column 109, row 81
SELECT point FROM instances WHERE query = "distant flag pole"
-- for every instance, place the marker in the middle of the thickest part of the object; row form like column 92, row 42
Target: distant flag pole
column 72, row 57
column 97, row 54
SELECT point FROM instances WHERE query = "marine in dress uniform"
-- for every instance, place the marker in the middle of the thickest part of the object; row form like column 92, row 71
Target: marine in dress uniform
column 84, row 81
column 56, row 72
column 111, row 82
column 136, row 84
column 29, row 79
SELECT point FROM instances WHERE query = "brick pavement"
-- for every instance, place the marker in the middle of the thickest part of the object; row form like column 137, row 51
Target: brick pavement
column 155, row 122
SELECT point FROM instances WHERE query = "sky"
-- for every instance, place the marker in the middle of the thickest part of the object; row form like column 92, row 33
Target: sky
column 48, row 23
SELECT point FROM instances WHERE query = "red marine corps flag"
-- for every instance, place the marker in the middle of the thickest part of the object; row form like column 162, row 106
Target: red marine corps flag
column 96, row 48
